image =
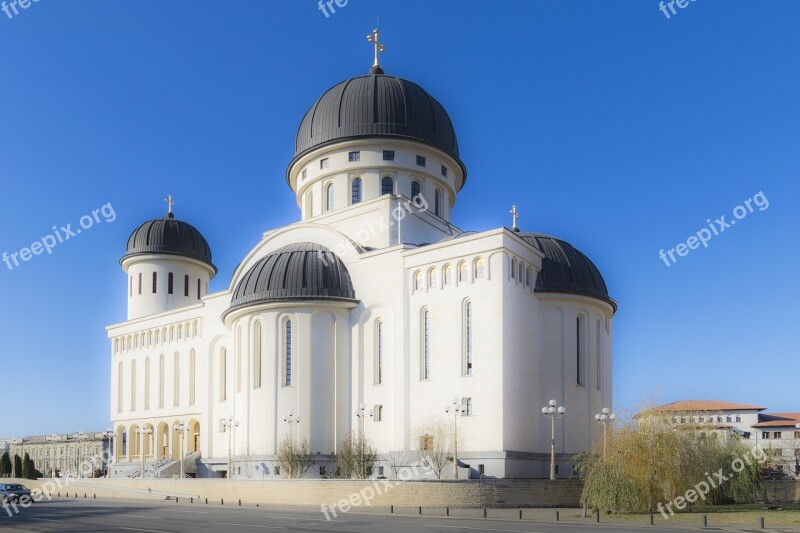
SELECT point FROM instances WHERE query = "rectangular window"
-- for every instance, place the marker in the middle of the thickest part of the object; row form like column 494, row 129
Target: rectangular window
column 186, row 286
column 579, row 351
column 354, row 157
column 426, row 345
column 481, row 469
column 223, row 375
column 198, row 288
column 468, row 339
column 140, row 283
column 324, row 163
column 257, row 356
column 155, row 282
column 388, row 155
column 765, row 434
column 777, row 435
column 444, row 171
column 288, row 354
column 379, row 354
column 421, row 161
column 738, row 418
column 169, row 283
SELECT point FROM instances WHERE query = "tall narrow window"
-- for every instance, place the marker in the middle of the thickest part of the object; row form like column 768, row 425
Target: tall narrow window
column 480, row 268
column 463, row 272
column 133, row 385
column 387, row 185
column 223, row 374
column 415, row 189
column 356, row 190
column 579, row 352
column 161, row 370
column 433, row 279
column 239, row 359
column 192, row 376
column 155, row 282
column 176, row 376
column 170, row 281
column 378, row 413
column 287, row 356
column 186, row 286
column 418, row 281
column 467, row 403
column 379, row 352
column 448, row 275
column 426, row 344
column 329, row 197
column 257, row 355
column 131, row 288
column 120, row 384
column 468, row 339
column 198, row 288
column 599, row 354
column 147, row 383
column 513, row 270
column 140, row 283
column 310, row 204
column 437, row 201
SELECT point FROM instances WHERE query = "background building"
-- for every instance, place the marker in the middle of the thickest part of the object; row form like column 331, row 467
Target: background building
column 65, row 452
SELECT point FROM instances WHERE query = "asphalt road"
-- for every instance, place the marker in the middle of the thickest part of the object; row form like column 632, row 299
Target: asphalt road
column 162, row 517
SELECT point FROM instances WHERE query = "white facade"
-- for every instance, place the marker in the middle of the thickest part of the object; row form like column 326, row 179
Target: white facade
column 405, row 348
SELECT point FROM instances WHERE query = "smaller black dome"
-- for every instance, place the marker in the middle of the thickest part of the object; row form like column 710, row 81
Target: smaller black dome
column 566, row 269
column 169, row 236
column 300, row 271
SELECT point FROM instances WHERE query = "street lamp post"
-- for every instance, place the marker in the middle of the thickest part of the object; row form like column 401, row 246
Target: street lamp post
column 80, row 437
column 291, row 418
column 53, row 438
column 457, row 408
column 361, row 414
column 230, row 424
column 182, row 428
column 15, row 442
column 552, row 411
column 112, row 437
column 142, row 432
column 605, row 417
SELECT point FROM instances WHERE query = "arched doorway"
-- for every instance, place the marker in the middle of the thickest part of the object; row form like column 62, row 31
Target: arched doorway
column 193, row 438
column 162, row 442
column 149, row 439
column 133, row 443
column 120, row 446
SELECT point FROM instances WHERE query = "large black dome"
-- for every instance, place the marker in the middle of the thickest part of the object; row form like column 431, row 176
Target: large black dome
column 377, row 106
column 566, row 269
column 169, row 236
column 301, row 271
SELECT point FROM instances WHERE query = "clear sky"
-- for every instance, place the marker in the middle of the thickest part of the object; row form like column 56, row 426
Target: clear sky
column 609, row 125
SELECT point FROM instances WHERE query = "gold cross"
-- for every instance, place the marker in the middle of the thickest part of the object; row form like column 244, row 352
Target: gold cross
column 375, row 39
column 515, row 214
column 170, row 203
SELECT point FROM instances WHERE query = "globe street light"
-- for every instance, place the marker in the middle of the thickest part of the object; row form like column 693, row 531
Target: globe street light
column 230, row 425
column 182, row 428
column 80, row 436
column 112, row 438
column 142, row 433
column 605, row 417
column 290, row 418
column 552, row 411
column 457, row 408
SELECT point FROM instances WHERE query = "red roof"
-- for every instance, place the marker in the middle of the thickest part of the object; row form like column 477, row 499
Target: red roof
column 778, row 420
column 685, row 406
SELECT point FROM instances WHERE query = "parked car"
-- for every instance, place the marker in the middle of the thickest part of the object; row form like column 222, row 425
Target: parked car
column 12, row 492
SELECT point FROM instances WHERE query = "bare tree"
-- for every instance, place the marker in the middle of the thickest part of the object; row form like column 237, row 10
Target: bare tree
column 244, row 461
column 399, row 460
column 435, row 445
column 356, row 458
column 296, row 459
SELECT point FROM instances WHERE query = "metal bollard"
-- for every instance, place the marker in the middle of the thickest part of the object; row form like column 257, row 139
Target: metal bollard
column 222, row 501
column 484, row 512
column 391, row 509
column 206, row 501
column 191, row 500
column 651, row 519
column 761, row 523
column 705, row 521
column 447, row 511
column 597, row 517
column 520, row 514
column 558, row 516
column 240, row 503
column 420, row 509
column 176, row 499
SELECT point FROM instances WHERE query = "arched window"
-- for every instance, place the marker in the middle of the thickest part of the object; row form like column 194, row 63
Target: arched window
column 171, row 333
column 310, row 204
column 155, row 282
column 186, row 285
column 116, row 345
column 520, row 271
column 329, row 197
column 140, row 283
column 149, row 338
column 479, row 269
column 147, row 383
column 437, row 201
column 463, row 272
column 378, row 352
column 513, row 270
column 599, row 355
column 170, row 283
column 120, row 384
column 580, row 350
column 176, row 375
column 467, row 365
column 158, row 336
column 239, row 359
column 223, row 374
column 161, row 377
column 180, row 331
column 257, row 344
column 387, row 185
column 133, row 385
column 196, row 328
column 135, row 342
column 415, row 189
column 192, row 376
column 432, row 279
column 356, row 189
column 287, row 353
column 528, row 276
column 467, row 403
column 425, row 371
column 418, row 281
column 448, row 275
column 377, row 413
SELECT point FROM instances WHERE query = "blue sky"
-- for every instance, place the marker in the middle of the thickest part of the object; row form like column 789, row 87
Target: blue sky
column 608, row 124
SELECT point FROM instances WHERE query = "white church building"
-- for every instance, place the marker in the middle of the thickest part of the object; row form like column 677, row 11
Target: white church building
column 373, row 298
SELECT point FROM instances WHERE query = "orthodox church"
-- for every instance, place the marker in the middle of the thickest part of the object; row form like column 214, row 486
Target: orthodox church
column 369, row 315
